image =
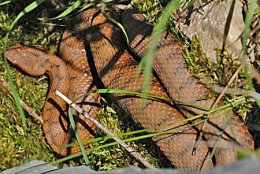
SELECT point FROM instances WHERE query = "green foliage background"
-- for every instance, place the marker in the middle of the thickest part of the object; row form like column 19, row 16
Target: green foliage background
column 18, row 145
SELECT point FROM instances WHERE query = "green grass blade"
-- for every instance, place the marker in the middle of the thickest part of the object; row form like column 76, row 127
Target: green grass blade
column 6, row 2
column 220, row 137
column 147, row 60
column 248, row 19
column 70, row 9
column 144, row 96
column 73, row 125
column 149, row 96
column 29, row 8
column 115, row 22
column 149, row 135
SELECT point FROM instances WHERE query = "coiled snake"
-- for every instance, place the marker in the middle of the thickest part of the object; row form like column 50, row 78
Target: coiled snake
column 91, row 46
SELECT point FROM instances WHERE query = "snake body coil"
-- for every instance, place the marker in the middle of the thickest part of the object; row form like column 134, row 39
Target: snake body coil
column 93, row 46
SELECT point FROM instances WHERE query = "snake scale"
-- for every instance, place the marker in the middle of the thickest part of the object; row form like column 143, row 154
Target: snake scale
column 92, row 46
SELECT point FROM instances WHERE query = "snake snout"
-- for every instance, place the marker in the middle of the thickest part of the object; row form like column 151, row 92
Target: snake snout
column 28, row 58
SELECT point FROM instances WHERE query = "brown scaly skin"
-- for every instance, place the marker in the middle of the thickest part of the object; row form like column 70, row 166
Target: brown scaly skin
column 36, row 61
column 170, row 66
column 27, row 58
column 116, row 68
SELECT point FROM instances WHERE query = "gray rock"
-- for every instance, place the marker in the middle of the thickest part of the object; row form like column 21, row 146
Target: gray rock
column 209, row 24
column 246, row 166
column 35, row 166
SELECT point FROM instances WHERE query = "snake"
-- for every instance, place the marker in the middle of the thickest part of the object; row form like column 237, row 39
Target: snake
column 93, row 53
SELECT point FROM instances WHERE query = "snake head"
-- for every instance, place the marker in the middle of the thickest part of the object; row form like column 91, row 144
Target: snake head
column 31, row 59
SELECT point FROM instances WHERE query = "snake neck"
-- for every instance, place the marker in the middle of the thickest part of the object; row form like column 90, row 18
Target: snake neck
column 36, row 61
column 56, row 125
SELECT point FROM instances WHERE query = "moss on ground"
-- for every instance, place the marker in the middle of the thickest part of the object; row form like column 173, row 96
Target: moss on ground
column 18, row 146
column 217, row 73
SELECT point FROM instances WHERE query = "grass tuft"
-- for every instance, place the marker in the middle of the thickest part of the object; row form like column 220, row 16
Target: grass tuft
column 18, row 145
